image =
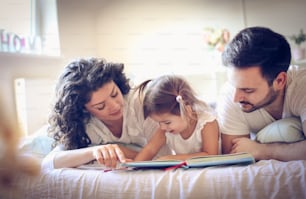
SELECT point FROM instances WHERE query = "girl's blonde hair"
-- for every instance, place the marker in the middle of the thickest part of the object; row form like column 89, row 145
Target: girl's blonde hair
column 170, row 94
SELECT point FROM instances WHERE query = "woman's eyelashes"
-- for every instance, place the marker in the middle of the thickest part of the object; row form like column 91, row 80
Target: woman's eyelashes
column 100, row 107
column 115, row 94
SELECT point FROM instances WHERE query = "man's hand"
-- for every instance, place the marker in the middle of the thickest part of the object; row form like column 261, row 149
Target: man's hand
column 247, row 145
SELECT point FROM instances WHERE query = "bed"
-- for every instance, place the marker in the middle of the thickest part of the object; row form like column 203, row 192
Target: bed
column 264, row 179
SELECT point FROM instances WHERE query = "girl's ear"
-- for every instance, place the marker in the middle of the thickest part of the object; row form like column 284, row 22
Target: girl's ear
column 280, row 81
column 190, row 113
column 189, row 110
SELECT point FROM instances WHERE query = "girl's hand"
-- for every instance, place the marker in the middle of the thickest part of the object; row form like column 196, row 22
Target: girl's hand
column 167, row 157
column 109, row 155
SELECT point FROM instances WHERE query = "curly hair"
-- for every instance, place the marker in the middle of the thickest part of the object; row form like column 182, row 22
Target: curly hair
column 259, row 46
column 80, row 78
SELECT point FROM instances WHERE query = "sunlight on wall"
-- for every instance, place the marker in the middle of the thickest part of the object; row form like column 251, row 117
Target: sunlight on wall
column 174, row 49
column 49, row 31
column 153, row 39
column 177, row 49
column 15, row 16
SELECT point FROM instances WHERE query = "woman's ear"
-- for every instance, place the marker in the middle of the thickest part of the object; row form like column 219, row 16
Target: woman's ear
column 280, row 81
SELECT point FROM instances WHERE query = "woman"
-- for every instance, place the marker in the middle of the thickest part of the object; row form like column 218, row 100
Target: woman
column 96, row 116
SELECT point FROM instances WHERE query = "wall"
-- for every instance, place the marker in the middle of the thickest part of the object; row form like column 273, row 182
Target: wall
column 77, row 28
column 17, row 18
column 157, row 37
column 13, row 66
column 169, row 36
column 286, row 17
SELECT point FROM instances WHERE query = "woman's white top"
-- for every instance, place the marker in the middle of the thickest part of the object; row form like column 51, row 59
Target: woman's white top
column 135, row 131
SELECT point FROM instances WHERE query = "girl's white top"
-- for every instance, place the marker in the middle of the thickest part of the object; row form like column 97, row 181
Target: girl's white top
column 193, row 144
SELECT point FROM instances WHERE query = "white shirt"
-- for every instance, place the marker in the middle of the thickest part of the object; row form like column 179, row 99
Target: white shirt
column 233, row 121
column 193, row 144
column 136, row 130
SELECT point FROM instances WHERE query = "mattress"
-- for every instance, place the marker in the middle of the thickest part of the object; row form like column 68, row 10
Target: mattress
column 264, row 179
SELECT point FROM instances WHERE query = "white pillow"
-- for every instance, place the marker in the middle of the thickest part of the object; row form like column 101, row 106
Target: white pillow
column 284, row 130
column 39, row 144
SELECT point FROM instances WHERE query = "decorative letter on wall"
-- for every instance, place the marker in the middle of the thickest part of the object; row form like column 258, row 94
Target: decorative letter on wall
column 11, row 42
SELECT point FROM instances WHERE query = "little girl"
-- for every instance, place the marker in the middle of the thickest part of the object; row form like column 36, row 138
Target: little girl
column 186, row 124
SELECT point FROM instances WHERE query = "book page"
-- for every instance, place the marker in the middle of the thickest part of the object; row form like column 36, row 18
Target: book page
column 152, row 163
column 226, row 159
column 97, row 166
column 202, row 161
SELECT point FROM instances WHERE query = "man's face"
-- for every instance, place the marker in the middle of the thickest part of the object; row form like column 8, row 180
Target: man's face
column 251, row 90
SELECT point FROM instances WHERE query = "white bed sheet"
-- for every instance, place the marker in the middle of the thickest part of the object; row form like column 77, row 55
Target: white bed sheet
column 264, row 179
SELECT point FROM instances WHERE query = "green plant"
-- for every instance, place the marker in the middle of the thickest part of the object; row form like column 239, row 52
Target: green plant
column 299, row 38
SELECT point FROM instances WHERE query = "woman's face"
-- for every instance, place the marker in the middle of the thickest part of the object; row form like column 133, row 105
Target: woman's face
column 106, row 103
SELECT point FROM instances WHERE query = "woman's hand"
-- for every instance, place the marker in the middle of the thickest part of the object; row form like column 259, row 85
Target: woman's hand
column 109, row 155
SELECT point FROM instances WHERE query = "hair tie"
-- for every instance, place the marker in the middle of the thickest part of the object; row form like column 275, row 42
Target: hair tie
column 179, row 98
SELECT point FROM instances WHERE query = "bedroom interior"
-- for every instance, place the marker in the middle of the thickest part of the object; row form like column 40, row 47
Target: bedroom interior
column 150, row 38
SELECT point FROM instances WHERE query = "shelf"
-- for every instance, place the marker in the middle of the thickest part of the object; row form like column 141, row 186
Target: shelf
column 302, row 61
column 28, row 56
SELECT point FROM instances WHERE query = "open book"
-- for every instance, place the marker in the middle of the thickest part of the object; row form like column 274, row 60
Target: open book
column 97, row 166
column 196, row 162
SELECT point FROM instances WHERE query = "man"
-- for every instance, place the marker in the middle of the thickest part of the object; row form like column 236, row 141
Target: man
column 262, row 89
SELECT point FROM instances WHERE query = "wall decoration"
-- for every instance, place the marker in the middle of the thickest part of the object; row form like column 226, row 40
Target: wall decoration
column 13, row 43
column 298, row 51
column 216, row 39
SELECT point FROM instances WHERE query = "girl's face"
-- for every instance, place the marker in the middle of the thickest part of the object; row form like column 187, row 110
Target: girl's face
column 170, row 123
column 106, row 103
